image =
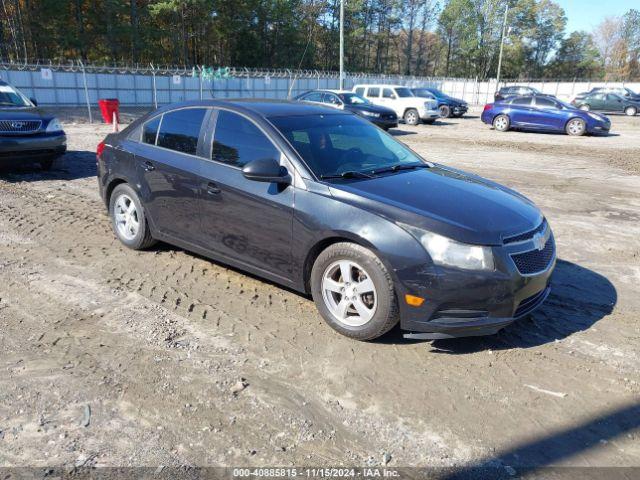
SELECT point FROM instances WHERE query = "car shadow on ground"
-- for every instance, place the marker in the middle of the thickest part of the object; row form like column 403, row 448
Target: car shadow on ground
column 534, row 459
column 73, row 165
column 558, row 133
column 579, row 298
column 401, row 133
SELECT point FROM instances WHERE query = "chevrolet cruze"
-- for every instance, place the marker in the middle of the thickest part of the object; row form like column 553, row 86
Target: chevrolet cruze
column 323, row 202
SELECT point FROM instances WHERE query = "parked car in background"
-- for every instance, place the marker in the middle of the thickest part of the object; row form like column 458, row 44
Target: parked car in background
column 324, row 202
column 407, row 106
column 448, row 106
column 608, row 102
column 543, row 113
column 515, row 91
column 27, row 135
column 383, row 117
column 624, row 92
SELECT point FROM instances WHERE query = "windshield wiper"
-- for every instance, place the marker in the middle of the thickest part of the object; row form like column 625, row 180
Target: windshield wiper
column 401, row 166
column 347, row 174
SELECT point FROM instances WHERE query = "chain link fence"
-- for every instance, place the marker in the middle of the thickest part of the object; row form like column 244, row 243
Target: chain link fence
column 74, row 84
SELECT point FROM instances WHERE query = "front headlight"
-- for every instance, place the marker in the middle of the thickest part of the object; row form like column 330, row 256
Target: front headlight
column 54, row 125
column 447, row 252
column 595, row 116
column 370, row 114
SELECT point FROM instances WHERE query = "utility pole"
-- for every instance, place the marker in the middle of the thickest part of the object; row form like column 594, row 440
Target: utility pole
column 504, row 31
column 341, row 44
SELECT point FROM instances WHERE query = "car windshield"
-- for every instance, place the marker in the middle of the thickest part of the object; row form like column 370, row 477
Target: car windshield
column 10, row 97
column 404, row 92
column 423, row 92
column 437, row 93
column 353, row 99
column 335, row 145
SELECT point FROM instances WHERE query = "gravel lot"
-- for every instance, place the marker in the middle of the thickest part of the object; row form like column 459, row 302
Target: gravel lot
column 122, row 358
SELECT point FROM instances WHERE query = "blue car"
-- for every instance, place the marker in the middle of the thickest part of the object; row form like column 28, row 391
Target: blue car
column 543, row 113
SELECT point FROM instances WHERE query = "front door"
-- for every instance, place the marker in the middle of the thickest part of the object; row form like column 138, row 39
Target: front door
column 245, row 220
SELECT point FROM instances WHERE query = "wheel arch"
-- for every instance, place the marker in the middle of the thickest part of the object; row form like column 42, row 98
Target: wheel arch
column 111, row 185
column 324, row 243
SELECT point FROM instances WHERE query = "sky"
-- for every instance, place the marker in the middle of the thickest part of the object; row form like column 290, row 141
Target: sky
column 586, row 14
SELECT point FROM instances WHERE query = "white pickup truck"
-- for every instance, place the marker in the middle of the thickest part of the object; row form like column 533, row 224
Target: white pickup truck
column 406, row 105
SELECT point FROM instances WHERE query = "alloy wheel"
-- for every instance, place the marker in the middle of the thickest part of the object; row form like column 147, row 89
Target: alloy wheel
column 349, row 293
column 126, row 217
column 411, row 118
column 630, row 111
column 575, row 127
column 501, row 123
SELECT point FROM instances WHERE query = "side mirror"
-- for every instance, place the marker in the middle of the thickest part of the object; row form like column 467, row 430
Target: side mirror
column 266, row 170
column 34, row 101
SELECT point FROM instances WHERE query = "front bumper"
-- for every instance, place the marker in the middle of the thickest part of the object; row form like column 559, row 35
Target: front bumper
column 40, row 145
column 599, row 128
column 429, row 114
column 459, row 109
column 460, row 303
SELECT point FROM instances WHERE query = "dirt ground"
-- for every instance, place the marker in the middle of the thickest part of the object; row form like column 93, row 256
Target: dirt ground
column 121, row 358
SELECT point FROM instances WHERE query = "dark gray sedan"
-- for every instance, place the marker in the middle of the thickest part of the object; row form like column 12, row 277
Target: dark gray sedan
column 27, row 134
column 324, row 202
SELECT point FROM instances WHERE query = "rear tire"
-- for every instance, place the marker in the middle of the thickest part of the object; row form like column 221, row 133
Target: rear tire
column 576, row 127
column 445, row 111
column 411, row 117
column 128, row 218
column 338, row 272
column 630, row 111
column 502, row 123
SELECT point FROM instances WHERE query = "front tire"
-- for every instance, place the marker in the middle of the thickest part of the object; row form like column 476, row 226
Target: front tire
column 354, row 291
column 445, row 111
column 576, row 127
column 411, row 117
column 630, row 111
column 501, row 123
column 128, row 218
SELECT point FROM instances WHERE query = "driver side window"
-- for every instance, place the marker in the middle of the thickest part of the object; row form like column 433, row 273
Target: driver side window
column 238, row 141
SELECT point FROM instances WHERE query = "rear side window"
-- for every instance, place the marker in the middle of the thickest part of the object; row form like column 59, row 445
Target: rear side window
column 387, row 93
column 313, row 97
column 150, row 130
column 180, row 129
column 522, row 101
column 237, row 141
column 360, row 91
column 374, row 92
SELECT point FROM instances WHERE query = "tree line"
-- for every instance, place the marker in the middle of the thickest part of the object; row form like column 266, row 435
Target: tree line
column 456, row 38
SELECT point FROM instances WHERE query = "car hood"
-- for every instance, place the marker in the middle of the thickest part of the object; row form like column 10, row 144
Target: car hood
column 370, row 108
column 22, row 114
column 461, row 206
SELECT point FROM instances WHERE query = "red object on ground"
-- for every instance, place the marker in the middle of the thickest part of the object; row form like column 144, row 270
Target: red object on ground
column 109, row 106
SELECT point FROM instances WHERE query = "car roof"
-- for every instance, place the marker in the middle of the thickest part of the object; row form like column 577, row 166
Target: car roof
column 379, row 85
column 262, row 107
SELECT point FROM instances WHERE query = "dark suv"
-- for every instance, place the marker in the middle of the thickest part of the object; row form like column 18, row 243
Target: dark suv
column 26, row 133
column 515, row 90
column 448, row 106
column 324, row 202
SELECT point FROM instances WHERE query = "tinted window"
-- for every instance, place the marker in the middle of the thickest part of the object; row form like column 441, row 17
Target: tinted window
column 238, row 141
column 331, row 98
column 524, row 101
column 313, row 97
column 404, row 92
column 388, row 93
column 373, row 92
column 179, row 130
column 150, row 130
column 360, row 91
column 545, row 103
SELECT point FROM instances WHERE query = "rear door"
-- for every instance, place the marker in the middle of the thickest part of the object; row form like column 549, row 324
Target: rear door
column 168, row 167
column 373, row 94
column 521, row 112
column 614, row 103
column 248, row 221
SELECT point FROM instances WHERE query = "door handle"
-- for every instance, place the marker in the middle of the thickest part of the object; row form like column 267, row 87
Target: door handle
column 212, row 189
column 148, row 167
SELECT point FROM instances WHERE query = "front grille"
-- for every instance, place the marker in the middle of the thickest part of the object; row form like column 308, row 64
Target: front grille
column 20, row 126
column 526, row 235
column 534, row 261
column 390, row 116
